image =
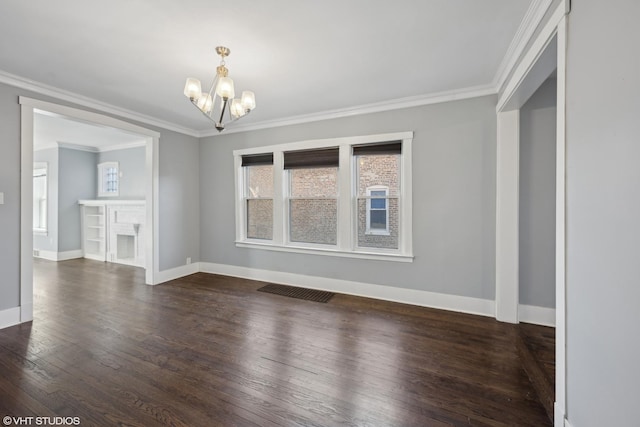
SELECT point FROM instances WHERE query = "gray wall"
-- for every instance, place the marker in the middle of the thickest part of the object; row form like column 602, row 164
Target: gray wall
column 76, row 180
column 179, row 199
column 454, row 164
column 50, row 241
column 10, row 210
column 603, row 211
column 537, row 197
column 131, row 162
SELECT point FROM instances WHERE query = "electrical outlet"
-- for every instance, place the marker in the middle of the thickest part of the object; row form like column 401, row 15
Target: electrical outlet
column 188, row 260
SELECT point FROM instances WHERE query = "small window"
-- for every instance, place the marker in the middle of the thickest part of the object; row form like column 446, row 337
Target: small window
column 40, row 189
column 377, row 211
column 108, row 179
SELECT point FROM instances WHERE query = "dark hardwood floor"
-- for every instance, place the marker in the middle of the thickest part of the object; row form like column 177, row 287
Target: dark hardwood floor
column 209, row 350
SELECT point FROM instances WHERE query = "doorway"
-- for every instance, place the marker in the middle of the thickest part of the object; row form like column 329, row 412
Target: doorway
column 29, row 108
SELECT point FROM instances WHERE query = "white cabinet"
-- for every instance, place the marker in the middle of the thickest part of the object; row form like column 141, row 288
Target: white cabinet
column 113, row 230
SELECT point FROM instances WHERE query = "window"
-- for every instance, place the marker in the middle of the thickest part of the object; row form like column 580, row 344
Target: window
column 377, row 211
column 108, row 179
column 258, row 196
column 378, row 192
column 40, row 198
column 343, row 197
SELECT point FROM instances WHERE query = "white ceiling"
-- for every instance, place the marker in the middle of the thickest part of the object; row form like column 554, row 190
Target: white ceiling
column 50, row 130
column 299, row 57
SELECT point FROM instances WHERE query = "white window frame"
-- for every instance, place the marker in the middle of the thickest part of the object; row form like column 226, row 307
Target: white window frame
column 347, row 213
column 42, row 231
column 377, row 231
column 102, row 170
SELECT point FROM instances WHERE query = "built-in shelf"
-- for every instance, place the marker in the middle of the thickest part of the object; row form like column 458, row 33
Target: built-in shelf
column 113, row 230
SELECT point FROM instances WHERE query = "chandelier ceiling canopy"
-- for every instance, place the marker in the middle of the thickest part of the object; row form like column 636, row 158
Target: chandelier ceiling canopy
column 220, row 99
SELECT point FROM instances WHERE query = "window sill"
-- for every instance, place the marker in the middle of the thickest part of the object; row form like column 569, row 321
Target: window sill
column 376, row 233
column 380, row 256
column 39, row 232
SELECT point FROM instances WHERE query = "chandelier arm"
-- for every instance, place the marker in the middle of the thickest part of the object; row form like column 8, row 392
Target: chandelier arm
column 224, row 107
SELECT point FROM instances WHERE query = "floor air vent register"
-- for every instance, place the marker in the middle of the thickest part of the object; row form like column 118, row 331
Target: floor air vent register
column 299, row 293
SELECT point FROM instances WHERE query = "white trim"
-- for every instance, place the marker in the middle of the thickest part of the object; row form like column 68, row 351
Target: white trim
column 532, row 55
column 543, row 316
column 9, row 317
column 26, row 312
column 26, row 213
column 561, row 308
column 84, row 115
column 70, row 146
column 177, row 272
column 559, row 419
column 567, row 423
column 507, row 211
column 457, row 303
column 329, row 251
column 124, row 146
column 94, row 202
column 83, row 101
column 28, row 105
column 67, row 255
column 389, row 105
column 92, row 149
column 532, row 18
column 328, row 142
column 58, row 256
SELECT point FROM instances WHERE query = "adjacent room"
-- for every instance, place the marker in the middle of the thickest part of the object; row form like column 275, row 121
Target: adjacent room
column 361, row 213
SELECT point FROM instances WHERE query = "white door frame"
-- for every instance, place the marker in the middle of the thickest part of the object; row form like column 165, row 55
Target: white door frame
column 507, row 195
column 28, row 106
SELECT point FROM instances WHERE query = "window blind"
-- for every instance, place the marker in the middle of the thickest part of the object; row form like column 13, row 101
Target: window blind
column 392, row 147
column 318, row 158
column 257, row 159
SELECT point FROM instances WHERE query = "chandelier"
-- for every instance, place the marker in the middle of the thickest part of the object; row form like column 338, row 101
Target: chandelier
column 219, row 100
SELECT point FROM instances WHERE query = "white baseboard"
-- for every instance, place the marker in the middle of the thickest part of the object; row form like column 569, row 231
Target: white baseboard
column 58, row 256
column 558, row 415
column 64, row 256
column 388, row 293
column 176, row 273
column 537, row 315
column 26, row 312
column 9, row 317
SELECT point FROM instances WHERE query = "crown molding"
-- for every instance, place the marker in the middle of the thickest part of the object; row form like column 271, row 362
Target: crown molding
column 124, row 146
column 64, row 95
column 393, row 104
column 532, row 18
column 77, row 147
column 80, row 147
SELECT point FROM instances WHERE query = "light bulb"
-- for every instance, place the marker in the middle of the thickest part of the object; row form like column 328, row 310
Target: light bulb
column 236, row 108
column 192, row 89
column 248, row 100
column 205, row 102
column 224, row 89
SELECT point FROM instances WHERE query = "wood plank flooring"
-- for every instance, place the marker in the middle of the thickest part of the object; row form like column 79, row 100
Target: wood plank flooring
column 209, row 350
